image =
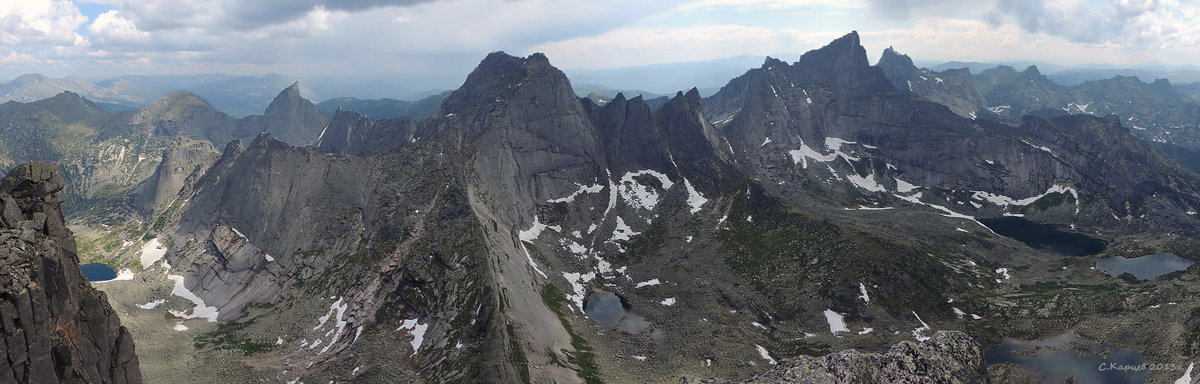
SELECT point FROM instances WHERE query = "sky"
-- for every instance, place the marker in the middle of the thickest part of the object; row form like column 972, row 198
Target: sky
column 434, row 43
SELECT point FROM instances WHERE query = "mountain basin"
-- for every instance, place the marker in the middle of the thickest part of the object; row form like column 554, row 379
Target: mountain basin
column 1056, row 364
column 95, row 272
column 1145, row 267
column 611, row 310
column 1044, row 237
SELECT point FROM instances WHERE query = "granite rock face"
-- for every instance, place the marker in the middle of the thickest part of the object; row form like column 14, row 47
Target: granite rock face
column 55, row 326
column 353, row 133
column 952, row 88
column 182, row 164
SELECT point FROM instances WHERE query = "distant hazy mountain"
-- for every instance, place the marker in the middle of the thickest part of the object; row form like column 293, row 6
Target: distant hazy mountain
column 380, row 109
column 237, row 96
column 1189, row 90
column 668, row 78
column 1072, row 75
column 1155, row 112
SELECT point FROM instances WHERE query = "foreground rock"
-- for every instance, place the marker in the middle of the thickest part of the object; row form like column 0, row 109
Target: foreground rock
column 55, row 327
column 948, row 357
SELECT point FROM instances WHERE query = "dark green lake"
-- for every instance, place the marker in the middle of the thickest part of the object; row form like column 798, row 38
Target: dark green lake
column 1044, row 237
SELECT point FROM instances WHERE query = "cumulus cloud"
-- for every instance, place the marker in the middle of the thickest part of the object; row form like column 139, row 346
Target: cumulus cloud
column 111, row 27
column 238, row 15
column 16, row 58
column 29, row 22
column 1079, row 20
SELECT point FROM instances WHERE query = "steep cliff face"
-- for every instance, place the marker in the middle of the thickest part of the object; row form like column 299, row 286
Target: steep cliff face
column 182, row 164
column 290, row 118
column 828, row 135
column 353, row 133
column 56, row 327
column 952, row 88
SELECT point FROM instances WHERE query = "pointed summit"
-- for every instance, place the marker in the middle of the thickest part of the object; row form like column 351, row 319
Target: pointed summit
column 843, row 53
column 898, row 68
column 770, row 62
column 292, row 118
column 843, row 62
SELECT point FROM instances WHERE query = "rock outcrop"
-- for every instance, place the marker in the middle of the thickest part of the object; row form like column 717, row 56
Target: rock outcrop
column 948, row 357
column 55, row 326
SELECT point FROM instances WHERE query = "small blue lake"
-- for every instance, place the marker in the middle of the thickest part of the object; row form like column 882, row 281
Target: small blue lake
column 1056, row 366
column 1145, row 267
column 98, row 272
column 609, row 309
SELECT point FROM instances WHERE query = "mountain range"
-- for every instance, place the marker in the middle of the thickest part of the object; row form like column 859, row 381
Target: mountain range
column 518, row 232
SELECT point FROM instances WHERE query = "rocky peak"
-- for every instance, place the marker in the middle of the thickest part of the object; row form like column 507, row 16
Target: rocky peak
column 844, row 53
column 55, row 327
column 691, row 138
column 892, row 60
column 294, row 119
column 629, row 135
column 897, row 67
column 843, row 66
column 71, row 99
column 501, row 78
column 1031, row 70
column 772, row 62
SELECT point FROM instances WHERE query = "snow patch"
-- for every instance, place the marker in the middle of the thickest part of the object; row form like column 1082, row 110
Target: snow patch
column 866, row 330
column 200, row 311
column 124, row 274
column 904, row 187
column 179, row 327
column 919, row 333
column 596, row 188
column 577, row 281
column 768, row 140
column 640, row 196
column 863, row 288
column 762, row 352
column 647, row 283
column 695, row 199
column 1003, row 272
column 1187, row 375
column 152, row 304
column 837, row 322
column 622, row 231
column 668, row 301
column 152, row 251
column 417, row 330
